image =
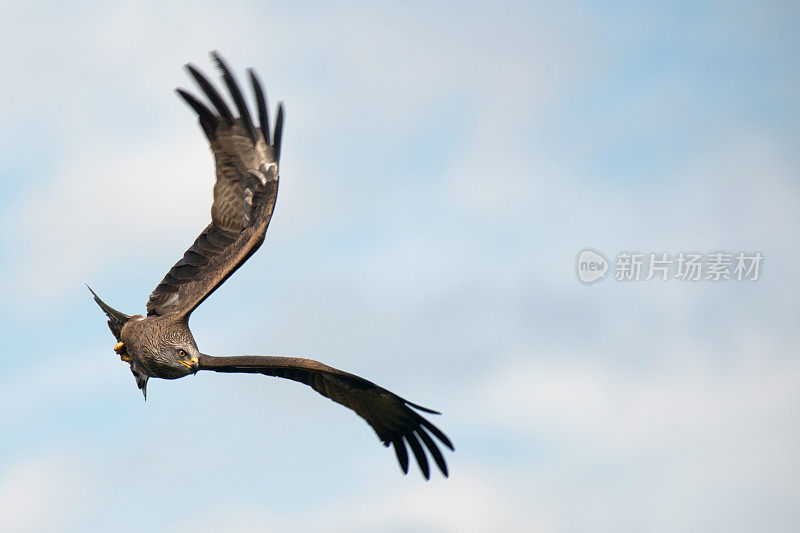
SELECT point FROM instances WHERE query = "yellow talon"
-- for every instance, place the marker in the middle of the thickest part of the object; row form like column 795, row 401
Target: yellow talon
column 122, row 351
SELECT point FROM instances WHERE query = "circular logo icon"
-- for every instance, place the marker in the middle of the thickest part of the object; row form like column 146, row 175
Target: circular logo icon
column 592, row 266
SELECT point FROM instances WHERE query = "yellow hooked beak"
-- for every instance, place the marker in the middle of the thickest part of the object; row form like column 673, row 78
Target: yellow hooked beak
column 191, row 364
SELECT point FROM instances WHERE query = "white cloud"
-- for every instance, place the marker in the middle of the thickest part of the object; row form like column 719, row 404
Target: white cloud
column 40, row 493
column 470, row 501
column 678, row 429
column 102, row 208
column 589, row 404
column 27, row 394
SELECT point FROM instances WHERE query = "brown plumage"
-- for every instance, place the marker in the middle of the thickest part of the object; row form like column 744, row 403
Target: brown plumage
column 161, row 345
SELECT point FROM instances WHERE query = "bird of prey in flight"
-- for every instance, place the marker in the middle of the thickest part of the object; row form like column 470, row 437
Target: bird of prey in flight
column 160, row 344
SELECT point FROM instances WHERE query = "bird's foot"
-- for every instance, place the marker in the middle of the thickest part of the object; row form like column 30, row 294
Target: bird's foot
column 122, row 352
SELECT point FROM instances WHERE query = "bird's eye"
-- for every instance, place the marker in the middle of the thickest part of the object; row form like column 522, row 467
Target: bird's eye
column 182, row 353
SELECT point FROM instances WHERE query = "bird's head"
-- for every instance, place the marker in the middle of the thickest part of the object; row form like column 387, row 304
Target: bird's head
column 163, row 345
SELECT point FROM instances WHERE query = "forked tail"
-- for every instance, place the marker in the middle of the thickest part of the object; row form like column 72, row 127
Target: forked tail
column 116, row 319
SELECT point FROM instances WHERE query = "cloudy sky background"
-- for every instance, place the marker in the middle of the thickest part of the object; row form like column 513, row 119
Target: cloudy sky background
column 442, row 167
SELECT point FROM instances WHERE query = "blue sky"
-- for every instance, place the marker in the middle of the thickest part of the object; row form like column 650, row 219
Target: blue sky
column 442, row 167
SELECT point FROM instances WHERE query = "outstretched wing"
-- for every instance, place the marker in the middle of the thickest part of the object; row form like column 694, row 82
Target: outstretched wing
column 392, row 417
column 244, row 194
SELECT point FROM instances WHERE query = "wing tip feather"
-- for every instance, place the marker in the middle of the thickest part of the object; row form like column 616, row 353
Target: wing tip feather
column 401, row 453
column 211, row 92
column 236, row 93
column 278, row 136
column 261, row 103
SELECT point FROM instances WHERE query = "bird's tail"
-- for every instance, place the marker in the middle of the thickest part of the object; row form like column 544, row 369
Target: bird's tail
column 116, row 319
